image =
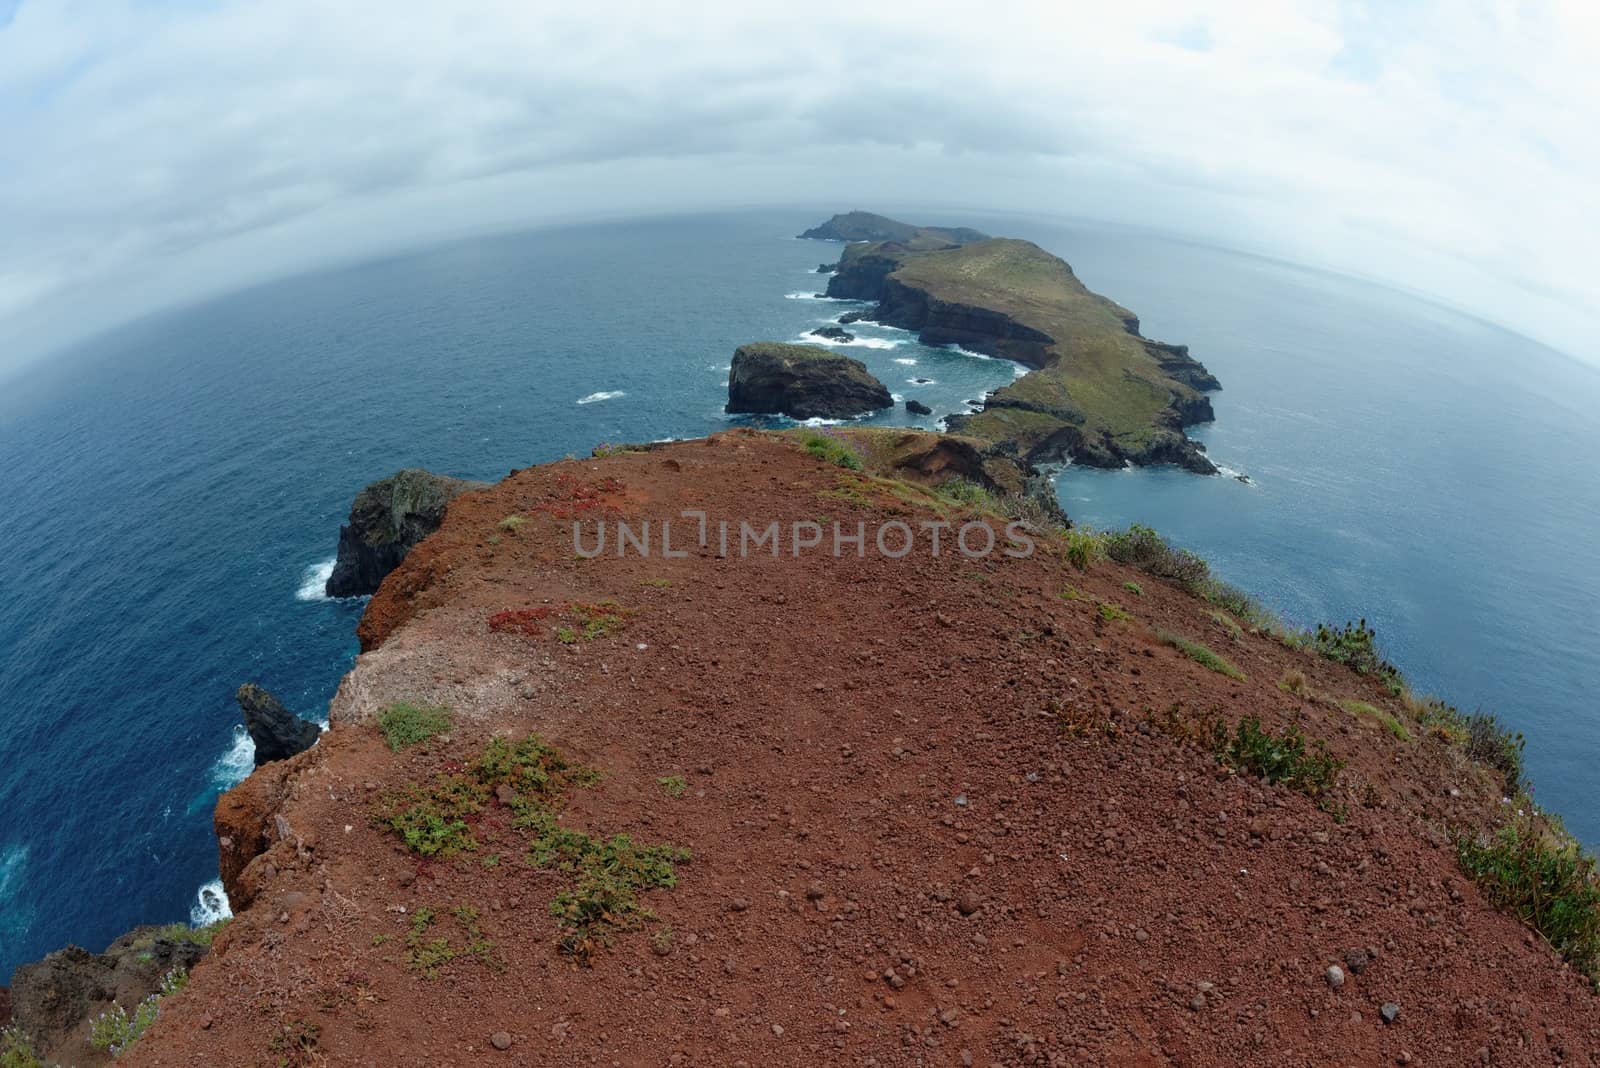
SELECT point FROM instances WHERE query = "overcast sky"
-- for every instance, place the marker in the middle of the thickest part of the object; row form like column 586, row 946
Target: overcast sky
column 153, row 152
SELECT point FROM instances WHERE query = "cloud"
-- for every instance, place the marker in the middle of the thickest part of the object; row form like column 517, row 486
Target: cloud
column 151, row 152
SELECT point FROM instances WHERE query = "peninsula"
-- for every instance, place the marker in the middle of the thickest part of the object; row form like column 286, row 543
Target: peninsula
column 1097, row 392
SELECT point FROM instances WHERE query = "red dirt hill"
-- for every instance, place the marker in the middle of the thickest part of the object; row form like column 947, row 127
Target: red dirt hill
column 938, row 811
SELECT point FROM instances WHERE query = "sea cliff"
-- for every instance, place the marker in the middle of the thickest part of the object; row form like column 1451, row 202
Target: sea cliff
column 1097, row 392
column 798, row 806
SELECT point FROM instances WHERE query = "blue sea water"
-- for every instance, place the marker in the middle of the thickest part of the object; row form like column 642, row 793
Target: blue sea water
column 172, row 493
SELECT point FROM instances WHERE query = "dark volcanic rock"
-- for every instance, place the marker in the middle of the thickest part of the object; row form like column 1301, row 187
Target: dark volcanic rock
column 386, row 520
column 1177, row 363
column 54, row 1000
column 833, row 333
column 278, row 733
column 855, row 317
column 802, row 382
column 916, row 407
column 825, row 268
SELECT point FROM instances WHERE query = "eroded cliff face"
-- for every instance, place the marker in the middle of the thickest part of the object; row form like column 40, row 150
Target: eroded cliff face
column 799, row 724
column 1089, row 362
column 387, row 519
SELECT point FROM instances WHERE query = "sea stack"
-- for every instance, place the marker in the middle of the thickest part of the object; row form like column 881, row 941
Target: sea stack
column 278, row 733
column 386, row 520
column 802, row 382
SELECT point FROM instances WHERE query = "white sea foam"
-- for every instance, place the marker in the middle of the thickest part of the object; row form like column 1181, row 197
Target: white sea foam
column 1225, row 470
column 897, row 398
column 230, row 769
column 907, row 360
column 817, row 420
column 859, row 342
column 12, row 860
column 603, row 395
column 211, row 905
column 314, row 582
column 821, row 296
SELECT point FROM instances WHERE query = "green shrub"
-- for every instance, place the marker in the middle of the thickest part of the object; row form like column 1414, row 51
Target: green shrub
column 833, row 450
column 673, row 785
column 1243, row 607
column 1141, row 547
column 1201, row 655
column 964, row 491
column 1489, row 742
column 1084, row 548
column 1549, row 886
column 1355, row 645
column 1134, row 588
column 404, row 724
column 511, row 523
column 1278, row 758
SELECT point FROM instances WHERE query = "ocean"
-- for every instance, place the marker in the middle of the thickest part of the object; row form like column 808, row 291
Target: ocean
column 174, row 490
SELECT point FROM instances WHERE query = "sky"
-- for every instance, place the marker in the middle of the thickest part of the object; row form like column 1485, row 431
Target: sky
column 154, row 152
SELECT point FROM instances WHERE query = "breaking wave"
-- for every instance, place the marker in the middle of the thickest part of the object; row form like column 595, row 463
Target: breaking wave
column 603, row 395
column 211, row 905
column 230, row 769
column 314, row 582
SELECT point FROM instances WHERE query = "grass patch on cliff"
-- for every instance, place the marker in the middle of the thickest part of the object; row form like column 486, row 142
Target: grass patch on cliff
column 16, row 1051
column 1112, row 612
column 673, row 785
column 437, row 820
column 1200, row 655
column 832, row 450
column 1282, row 758
column 1388, row 721
column 427, row 951
column 511, row 523
column 404, row 724
column 1546, row 882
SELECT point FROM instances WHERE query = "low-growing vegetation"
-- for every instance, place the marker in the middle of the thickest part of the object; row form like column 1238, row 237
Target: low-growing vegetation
column 1387, row 720
column 405, row 724
column 673, row 785
column 1354, row 645
column 1480, row 735
column 833, row 450
column 511, row 523
column 1278, row 758
column 16, row 1051
column 1545, row 881
column 428, row 951
column 116, row 1030
column 1134, row 588
column 1201, row 655
column 1112, row 612
column 573, row 622
column 964, row 491
column 294, row 1045
column 437, row 820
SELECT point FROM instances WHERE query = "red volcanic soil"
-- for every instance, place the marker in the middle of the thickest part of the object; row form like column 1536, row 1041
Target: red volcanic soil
column 939, row 814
